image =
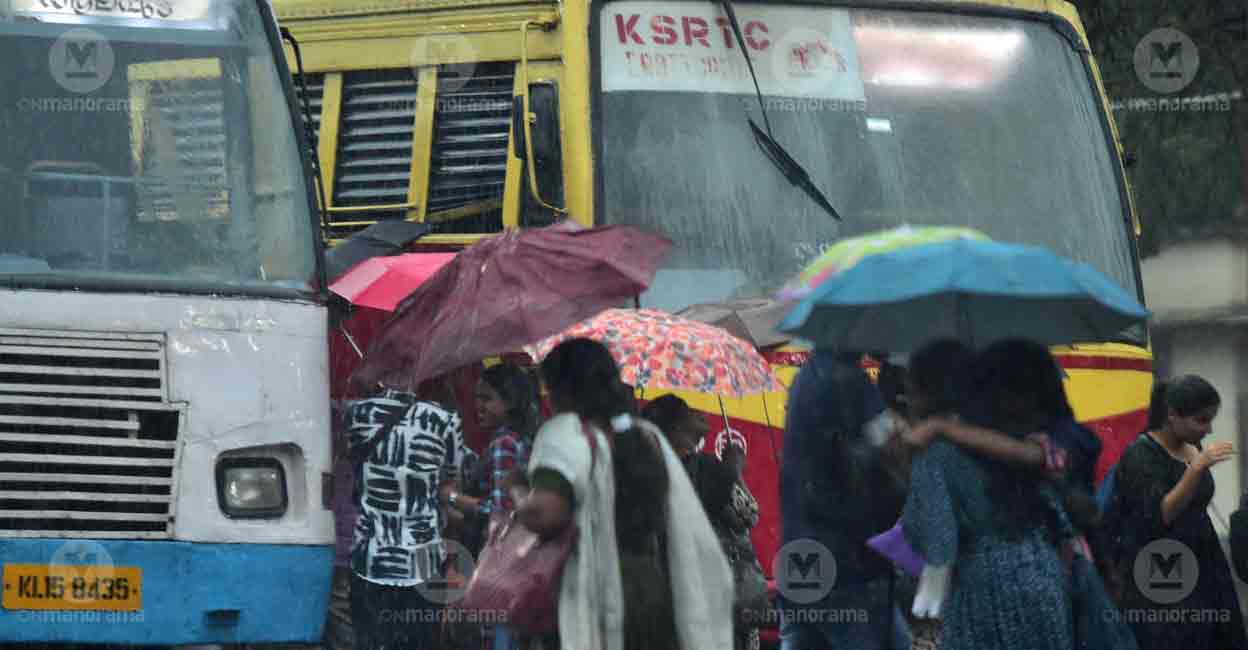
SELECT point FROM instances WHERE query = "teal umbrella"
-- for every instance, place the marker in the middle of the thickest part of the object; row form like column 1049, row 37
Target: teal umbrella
column 976, row 291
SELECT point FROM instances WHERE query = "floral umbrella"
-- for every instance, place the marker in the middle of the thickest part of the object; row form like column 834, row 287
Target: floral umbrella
column 658, row 350
column 848, row 252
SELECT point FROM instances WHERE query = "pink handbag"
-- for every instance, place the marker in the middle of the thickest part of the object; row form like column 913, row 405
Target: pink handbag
column 518, row 577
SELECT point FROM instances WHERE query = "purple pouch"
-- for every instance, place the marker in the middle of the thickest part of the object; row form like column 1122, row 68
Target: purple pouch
column 892, row 544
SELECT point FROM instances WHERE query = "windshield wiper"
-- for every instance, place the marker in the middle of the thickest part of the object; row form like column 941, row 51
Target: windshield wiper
column 776, row 153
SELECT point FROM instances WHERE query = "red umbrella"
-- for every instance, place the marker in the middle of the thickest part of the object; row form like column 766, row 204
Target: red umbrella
column 507, row 291
column 383, row 282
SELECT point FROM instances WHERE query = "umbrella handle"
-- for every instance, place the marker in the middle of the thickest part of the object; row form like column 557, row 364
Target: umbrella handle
column 350, row 339
column 724, row 412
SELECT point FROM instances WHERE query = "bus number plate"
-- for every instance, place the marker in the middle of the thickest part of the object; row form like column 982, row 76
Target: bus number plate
column 72, row 587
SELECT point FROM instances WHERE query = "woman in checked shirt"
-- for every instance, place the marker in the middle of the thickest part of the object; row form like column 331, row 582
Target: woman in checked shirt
column 507, row 404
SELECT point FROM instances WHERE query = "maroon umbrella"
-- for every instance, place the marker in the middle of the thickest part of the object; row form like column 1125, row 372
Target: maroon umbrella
column 507, row 291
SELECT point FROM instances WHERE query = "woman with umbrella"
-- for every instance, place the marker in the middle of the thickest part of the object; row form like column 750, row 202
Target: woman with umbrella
column 732, row 510
column 647, row 572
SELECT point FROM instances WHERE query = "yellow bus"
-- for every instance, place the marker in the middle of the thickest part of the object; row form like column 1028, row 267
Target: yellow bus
column 846, row 117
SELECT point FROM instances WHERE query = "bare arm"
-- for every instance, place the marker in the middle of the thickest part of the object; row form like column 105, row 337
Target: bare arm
column 1180, row 496
column 991, row 443
column 545, row 512
column 548, row 508
column 472, row 505
column 996, row 445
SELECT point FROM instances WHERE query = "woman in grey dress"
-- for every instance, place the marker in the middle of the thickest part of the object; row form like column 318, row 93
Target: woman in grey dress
column 994, row 524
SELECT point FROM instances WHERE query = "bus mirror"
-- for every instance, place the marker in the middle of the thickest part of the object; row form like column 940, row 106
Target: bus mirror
column 544, row 105
column 540, row 144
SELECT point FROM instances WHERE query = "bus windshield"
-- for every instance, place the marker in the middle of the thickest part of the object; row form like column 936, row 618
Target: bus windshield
column 899, row 117
column 149, row 144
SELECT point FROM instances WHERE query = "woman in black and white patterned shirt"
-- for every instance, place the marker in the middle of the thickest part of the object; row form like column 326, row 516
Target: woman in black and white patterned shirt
column 411, row 450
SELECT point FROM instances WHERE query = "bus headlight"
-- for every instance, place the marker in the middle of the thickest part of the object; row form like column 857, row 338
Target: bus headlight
column 251, row 488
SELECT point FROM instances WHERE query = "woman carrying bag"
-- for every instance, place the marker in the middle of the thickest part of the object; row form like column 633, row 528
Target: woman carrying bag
column 643, row 569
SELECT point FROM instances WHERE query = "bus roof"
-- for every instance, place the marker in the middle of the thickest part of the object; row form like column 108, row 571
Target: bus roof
column 312, row 9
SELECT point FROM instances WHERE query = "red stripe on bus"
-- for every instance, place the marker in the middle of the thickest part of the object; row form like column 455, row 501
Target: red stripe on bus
column 1080, row 362
column 1068, row 361
column 1116, row 433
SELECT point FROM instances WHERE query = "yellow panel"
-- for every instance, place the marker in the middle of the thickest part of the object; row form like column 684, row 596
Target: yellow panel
column 179, row 69
column 450, row 239
column 1114, row 350
column 288, row 10
column 294, row 9
column 1097, row 394
column 575, row 105
column 513, row 183
column 327, row 141
column 422, row 142
column 347, row 54
column 465, row 24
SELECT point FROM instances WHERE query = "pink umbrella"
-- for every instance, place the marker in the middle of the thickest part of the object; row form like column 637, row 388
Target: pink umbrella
column 383, row 282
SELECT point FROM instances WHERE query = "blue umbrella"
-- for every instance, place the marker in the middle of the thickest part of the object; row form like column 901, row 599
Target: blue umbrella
column 975, row 291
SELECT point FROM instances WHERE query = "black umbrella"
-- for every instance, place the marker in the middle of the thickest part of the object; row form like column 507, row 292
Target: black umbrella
column 751, row 319
column 381, row 238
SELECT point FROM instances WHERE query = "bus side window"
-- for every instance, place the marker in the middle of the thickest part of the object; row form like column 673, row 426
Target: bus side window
column 547, row 154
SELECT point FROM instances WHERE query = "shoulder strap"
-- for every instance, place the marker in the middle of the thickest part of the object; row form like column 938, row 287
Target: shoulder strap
column 361, row 454
column 590, row 434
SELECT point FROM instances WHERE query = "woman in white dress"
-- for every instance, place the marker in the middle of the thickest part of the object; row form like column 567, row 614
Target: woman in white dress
column 648, row 572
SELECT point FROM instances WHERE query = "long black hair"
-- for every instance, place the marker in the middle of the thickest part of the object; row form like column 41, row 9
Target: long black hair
column 1025, row 369
column 1158, row 411
column 942, row 370
column 582, row 375
column 518, row 392
column 1011, row 370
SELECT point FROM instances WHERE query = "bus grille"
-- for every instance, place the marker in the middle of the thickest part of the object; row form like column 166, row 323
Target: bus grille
column 88, row 438
column 375, row 142
column 472, row 121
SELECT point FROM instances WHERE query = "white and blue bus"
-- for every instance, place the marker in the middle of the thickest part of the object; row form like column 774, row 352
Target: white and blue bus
column 164, row 414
